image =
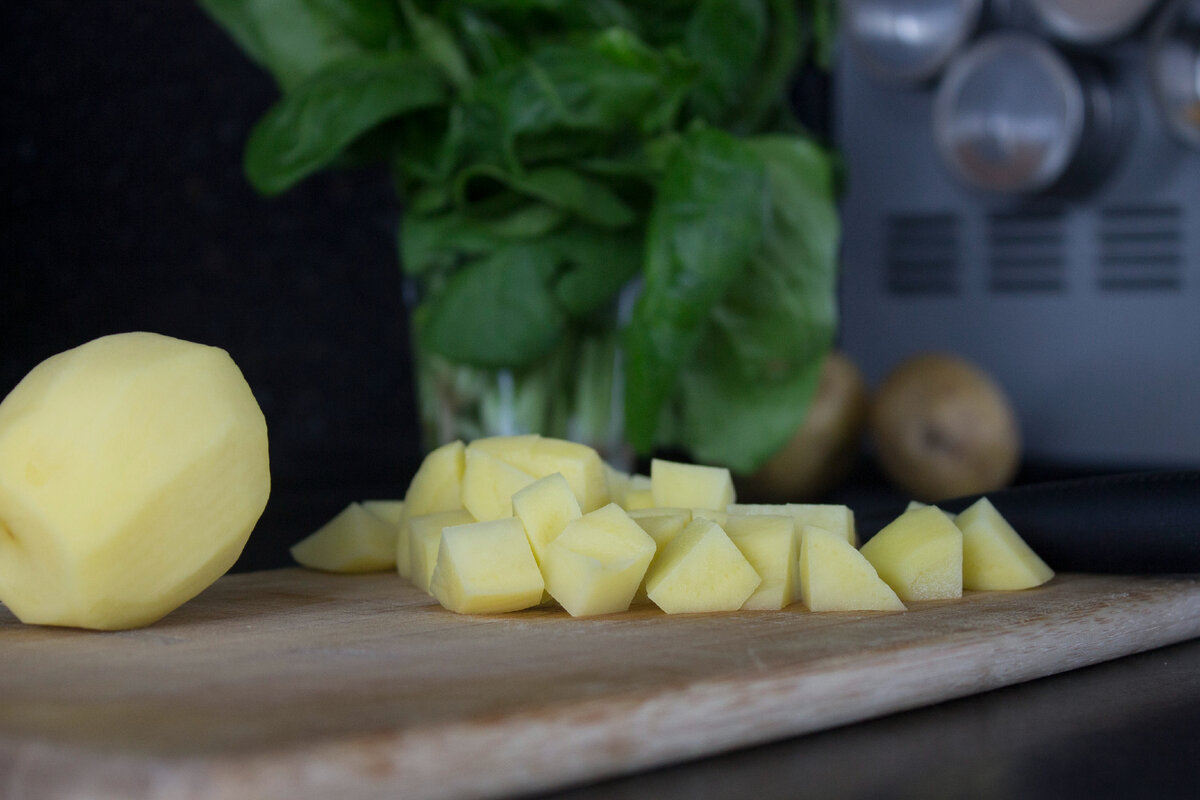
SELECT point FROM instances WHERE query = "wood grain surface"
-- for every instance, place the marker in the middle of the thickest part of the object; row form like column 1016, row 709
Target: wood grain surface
column 296, row 684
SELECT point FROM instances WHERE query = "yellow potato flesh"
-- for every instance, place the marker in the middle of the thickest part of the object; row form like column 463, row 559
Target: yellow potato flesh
column 425, row 537
column 132, row 471
column 489, row 485
column 597, row 563
column 920, row 555
column 769, row 543
column 834, row 518
column 995, row 557
column 355, row 540
column 486, row 568
column 544, row 508
column 674, row 484
column 701, row 570
column 836, row 577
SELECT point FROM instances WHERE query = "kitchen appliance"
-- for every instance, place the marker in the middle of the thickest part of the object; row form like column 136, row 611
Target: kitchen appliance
column 1032, row 202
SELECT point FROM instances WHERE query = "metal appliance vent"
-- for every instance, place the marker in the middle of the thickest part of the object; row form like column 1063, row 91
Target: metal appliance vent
column 1141, row 248
column 921, row 253
column 1026, row 251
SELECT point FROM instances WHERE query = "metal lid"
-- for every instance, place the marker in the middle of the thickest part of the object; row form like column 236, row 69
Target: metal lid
column 907, row 42
column 1009, row 114
column 1174, row 56
column 1091, row 21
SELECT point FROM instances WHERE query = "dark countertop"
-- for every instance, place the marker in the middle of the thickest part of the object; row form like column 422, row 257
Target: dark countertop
column 1128, row 728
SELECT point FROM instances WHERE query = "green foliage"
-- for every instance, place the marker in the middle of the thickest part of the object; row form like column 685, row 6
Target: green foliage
column 549, row 154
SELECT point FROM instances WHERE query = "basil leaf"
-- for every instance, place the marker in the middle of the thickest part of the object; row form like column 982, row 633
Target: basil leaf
column 373, row 23
column 588, row 198
column 295, row 39
column 436, row 42
column 443, row 240
column 497, row 311
column 751, row 379
column 593, row 264
column 706, row 222
column 315, row 122
column 609, row 82
column 767, row 93
column 726, row 38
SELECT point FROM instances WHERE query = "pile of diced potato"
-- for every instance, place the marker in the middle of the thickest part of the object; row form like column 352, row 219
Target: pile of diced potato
column 511, row 522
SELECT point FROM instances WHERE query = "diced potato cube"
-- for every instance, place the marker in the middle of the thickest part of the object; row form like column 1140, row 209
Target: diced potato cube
column 425, row 536
column 506, row 448
column 769, row 543
column 637, row 499
column 663, row 525
column 486, row 568
column 834, row 518
column 540, row 456
column 836, row 577
column 596, row 564
column 690, row 485
column 355, row 540
column 994, row 555
column 437, row 484
column 701, row 570
column 544, row 508
column 919, row 554
column 489, row 485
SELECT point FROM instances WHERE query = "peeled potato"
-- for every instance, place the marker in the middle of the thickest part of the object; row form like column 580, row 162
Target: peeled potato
column 132, row 471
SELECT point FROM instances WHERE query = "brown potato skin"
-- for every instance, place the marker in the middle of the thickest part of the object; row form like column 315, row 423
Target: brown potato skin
column 942, row 428
column 824, row 448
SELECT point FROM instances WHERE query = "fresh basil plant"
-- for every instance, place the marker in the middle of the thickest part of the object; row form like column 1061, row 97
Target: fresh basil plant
column 551, row 156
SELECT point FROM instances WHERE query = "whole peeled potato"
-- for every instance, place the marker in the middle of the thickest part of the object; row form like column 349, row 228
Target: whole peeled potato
column 824, row 447
column 943, row 428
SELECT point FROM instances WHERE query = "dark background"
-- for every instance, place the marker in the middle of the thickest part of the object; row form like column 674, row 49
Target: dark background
column 125, row 208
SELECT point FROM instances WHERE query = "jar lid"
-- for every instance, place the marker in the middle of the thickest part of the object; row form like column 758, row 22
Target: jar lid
column 1009, row 114
column 907, row 42
column 1090, row 22
column 1174, row 56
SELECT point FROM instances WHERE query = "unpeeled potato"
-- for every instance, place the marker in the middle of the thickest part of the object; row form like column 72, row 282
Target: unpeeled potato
column 942, row 427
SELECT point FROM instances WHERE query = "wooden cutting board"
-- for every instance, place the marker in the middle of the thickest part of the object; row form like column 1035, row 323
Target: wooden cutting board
column 294, row 684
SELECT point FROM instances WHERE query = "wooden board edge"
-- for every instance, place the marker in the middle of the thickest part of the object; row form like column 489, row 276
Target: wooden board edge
column 557, row 747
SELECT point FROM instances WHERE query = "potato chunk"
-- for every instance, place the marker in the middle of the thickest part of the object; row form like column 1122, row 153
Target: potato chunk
column 540, row 456
column 701, row 570
column 132, row 470
column 486, row 568
column 425, row 538
column 834, row 518
column 597, row 563
column 994, row 555
column 836, row 577
column 436, row 486
column 769, row 543
column 489, row 484
column 919, row 554
column 678, row 485
column 544, row 508
column 355, row 540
